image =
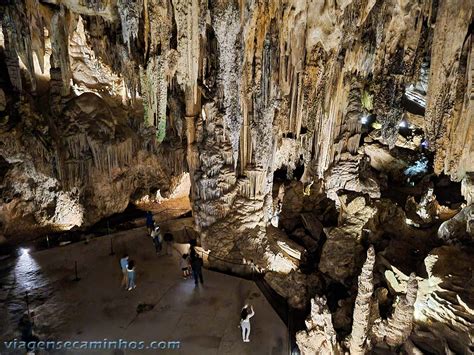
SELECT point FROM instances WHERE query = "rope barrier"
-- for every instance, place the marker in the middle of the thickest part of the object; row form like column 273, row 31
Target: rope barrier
column 218, row 258
column 224, row 260
column 170, row 209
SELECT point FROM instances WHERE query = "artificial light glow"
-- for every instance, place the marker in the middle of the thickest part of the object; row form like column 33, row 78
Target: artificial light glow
column 364, row 119
column 403, row 124
column 24, row 251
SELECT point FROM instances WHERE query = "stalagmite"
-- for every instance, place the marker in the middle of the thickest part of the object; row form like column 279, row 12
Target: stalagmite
column 360, row 325
column 395, row 330
column 319, row 336
column 308, row 130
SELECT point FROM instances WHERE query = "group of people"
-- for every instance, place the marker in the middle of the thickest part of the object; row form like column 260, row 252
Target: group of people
column 192, row 262
column 158, row 240
column 128, row 273
column 188, row 263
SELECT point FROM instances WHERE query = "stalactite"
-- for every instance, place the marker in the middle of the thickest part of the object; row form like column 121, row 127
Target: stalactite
column 130, row 14
column 11, row 59
column 227, row 28
column 154, row 90
column 60, row 44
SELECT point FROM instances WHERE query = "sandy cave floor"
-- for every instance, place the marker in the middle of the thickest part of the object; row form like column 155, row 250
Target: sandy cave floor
column 203, row 319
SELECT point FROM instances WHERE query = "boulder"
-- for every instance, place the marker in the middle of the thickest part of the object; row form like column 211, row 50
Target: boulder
column 319, row 336
column 342, row 253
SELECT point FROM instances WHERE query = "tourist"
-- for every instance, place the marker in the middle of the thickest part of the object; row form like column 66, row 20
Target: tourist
column 26, row 326
column 168, row 238
column 196, row 265
column 184, row 265
column 123, row 266
column 149, row 222
column 157, row 239
column 131, row 275
column 245, row 316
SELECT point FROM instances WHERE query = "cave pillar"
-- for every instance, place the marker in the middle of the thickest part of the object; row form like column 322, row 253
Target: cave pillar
column 11, row 60
column 60, row 71
column 193, row 109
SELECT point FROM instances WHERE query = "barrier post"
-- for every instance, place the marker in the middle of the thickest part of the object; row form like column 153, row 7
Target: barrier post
column 75, row 271
column 111, row 246
column 27, row 303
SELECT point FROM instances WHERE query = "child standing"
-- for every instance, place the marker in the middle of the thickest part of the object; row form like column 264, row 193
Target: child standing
column 123, row 266
column 184, row 265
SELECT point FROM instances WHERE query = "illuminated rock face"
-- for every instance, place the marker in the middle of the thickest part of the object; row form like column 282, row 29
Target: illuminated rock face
column 308, row 130
column 320, row 336
column 443, row 308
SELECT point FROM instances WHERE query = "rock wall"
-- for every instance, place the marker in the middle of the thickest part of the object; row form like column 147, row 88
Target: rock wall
column 293, row 119
column 75, row 147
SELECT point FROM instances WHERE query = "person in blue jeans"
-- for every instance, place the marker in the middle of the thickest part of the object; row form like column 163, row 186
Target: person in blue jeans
column 123, row 266
column 131, row 275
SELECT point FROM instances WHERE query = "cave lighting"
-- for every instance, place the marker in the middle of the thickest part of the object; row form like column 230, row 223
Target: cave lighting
column 403, row 124
column 26, row 271
column 364, row 119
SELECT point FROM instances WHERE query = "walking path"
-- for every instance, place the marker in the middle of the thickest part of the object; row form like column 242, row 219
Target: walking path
column 204, row 320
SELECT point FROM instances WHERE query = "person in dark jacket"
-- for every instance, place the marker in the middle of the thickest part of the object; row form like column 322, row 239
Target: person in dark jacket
column 26, row 326
column 149, row 222
column 196, row 265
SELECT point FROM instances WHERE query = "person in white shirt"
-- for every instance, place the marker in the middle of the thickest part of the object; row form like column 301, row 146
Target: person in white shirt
column 157, row 239
column 184, row 265
column 245, row 316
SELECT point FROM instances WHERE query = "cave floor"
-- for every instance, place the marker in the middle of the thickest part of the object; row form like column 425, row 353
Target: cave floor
column 204, row 319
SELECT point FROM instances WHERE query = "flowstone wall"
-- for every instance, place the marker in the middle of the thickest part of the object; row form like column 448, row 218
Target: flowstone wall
column 310, row 130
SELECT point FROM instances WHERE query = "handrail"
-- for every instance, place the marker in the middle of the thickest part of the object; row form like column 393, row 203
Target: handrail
column 218, row 258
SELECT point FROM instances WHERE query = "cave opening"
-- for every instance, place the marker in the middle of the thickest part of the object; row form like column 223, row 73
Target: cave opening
column 280, row 174
column 299, row 170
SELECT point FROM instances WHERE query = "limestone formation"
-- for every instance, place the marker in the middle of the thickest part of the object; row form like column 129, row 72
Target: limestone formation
column 358, row 342
column 396, row 330
column 342, row 254
column 459, row 227
column 445, row 293
column 319, row 336
column 305, row 131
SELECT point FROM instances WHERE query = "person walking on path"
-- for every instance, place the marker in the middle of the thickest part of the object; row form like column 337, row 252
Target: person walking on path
column 149, row 222
column 245, row 316
column 168, row 238
column 184, row 265
column 131, row 275
column 196, row 265
column 157, row 239
column 123, row 266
